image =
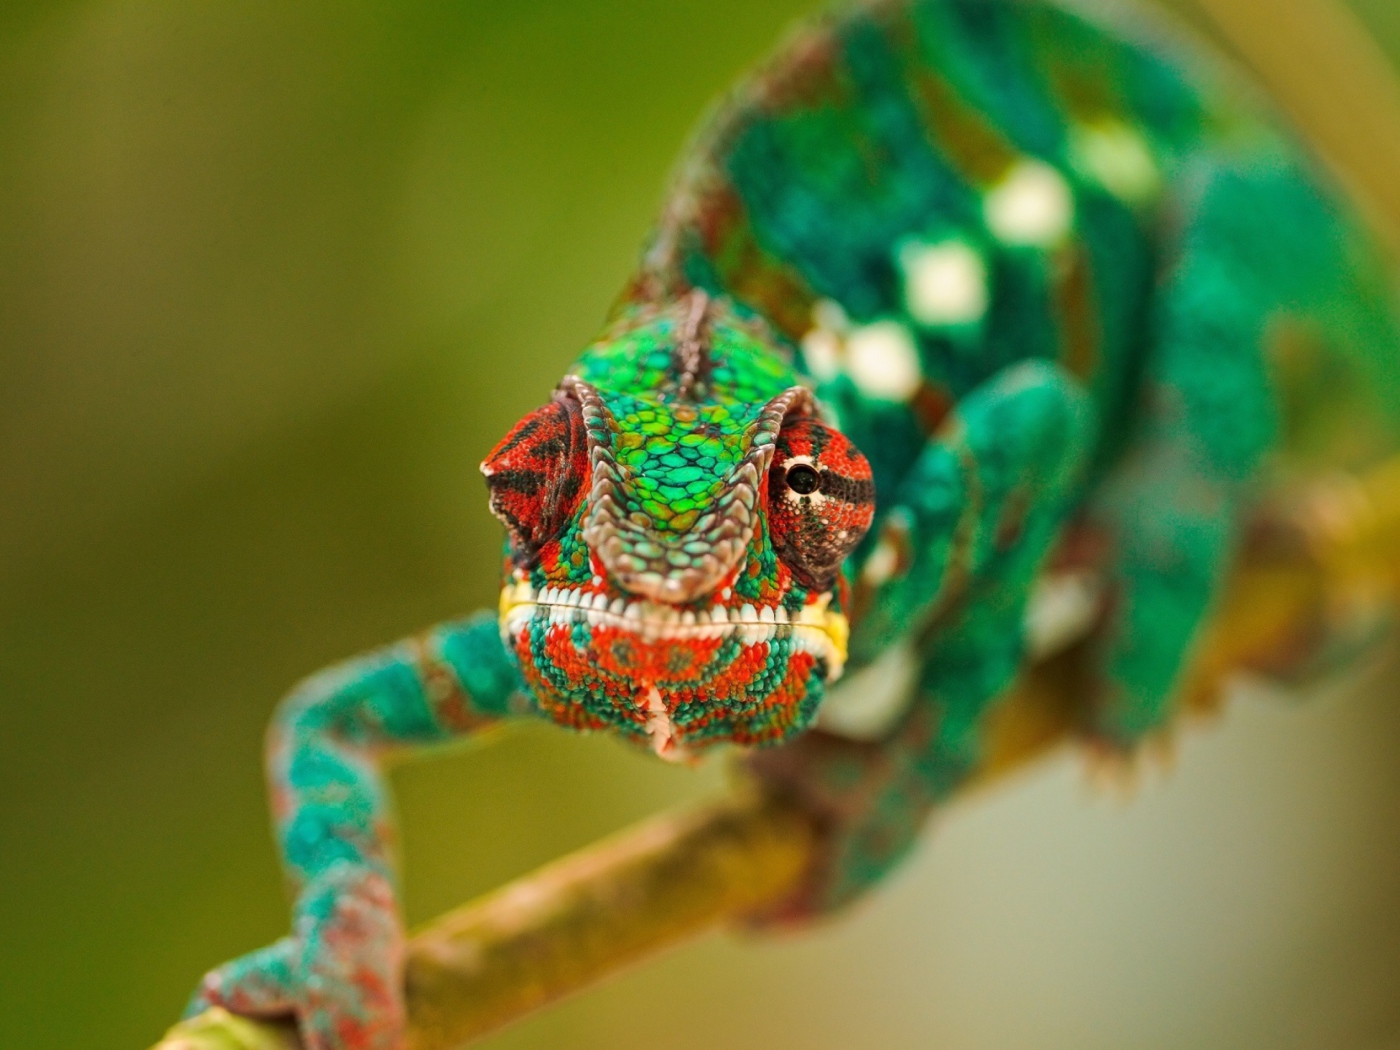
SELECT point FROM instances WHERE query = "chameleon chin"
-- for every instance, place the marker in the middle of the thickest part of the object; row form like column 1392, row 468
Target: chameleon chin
column 943, row 293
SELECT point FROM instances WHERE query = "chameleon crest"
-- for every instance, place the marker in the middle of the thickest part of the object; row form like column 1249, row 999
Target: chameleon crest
column 678, row 515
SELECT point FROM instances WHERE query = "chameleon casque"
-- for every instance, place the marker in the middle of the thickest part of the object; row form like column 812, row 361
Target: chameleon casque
column 949, row 297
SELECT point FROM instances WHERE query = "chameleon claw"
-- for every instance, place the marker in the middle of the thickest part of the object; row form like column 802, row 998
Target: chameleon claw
column 1121, row 771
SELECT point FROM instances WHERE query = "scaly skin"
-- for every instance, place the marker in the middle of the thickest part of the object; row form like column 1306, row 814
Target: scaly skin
column 1067, row 291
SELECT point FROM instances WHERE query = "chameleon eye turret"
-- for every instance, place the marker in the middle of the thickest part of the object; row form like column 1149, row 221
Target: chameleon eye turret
column 536, row 476
column 821, row 500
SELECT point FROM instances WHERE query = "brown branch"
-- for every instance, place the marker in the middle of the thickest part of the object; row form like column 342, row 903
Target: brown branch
column 620, row 900
column 573, row 921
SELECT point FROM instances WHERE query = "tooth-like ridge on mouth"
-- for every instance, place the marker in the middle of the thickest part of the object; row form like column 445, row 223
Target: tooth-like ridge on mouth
column 621, row 617
column 668, row 629
column 521, row 595
column 812, row 638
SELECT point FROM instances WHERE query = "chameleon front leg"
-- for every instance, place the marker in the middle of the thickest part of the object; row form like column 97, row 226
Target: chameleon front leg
column 975, row 521
column 1257, row 243
column 340, row 970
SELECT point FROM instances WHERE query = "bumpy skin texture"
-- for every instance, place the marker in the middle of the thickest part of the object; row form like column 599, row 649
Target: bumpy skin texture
column 943, row 284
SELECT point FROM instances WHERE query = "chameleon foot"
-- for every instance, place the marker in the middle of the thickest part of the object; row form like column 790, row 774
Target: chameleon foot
column 1119, row 770
column 339, row 975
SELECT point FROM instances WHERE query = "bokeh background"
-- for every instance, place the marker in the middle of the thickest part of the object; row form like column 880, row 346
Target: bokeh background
column 273, row 277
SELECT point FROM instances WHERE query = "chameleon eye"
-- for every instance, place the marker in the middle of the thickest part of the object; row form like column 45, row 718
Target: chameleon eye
column 821, row 500
column 536, row 475
column 803, row 479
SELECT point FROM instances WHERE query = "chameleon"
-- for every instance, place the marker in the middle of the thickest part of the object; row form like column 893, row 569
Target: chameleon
column 948, row 300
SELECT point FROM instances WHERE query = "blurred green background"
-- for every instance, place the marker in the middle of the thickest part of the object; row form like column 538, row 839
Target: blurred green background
column 273, row 277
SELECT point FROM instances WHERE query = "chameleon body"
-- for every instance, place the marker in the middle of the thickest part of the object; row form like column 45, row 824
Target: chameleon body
column 1068, row 293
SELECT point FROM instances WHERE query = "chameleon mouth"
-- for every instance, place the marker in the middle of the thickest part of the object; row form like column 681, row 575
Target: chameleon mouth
column 815, row 629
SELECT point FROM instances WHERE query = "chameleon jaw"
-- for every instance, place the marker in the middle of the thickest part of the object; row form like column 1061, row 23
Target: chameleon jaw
column 815, row 629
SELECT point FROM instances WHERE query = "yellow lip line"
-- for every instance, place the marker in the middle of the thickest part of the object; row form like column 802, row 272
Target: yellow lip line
column 682, row 628
column 833, row 627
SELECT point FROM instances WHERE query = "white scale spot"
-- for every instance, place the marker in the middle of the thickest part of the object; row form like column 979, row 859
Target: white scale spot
column 1118, row 159
column 830, row 314
column 944, row 284
column 881, row 564
column 822, row 347
column 1062, row 610
column 1033, row 206
column 868, row 704
column 883, row 361
column 821, row 350
column 881, row 358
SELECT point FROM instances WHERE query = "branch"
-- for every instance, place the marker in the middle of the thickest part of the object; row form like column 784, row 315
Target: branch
column 534, row 940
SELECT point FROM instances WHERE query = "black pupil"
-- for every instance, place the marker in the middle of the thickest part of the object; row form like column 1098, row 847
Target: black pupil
column 803, row 480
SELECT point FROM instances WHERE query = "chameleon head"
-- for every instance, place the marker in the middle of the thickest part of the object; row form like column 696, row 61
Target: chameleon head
column 677, row 520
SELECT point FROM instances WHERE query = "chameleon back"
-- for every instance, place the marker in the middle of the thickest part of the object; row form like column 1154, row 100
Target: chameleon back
column 920, row 193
